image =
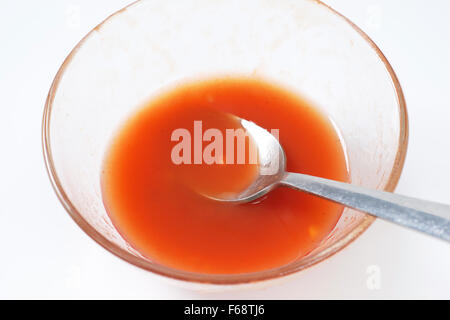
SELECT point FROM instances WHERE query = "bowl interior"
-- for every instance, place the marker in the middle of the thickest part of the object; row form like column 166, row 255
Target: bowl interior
column 301, row 44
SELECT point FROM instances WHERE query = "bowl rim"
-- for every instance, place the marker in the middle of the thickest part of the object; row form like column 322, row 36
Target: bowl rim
column 214, row 278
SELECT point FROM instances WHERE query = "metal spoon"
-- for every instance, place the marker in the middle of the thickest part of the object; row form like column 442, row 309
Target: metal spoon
column 425, row 216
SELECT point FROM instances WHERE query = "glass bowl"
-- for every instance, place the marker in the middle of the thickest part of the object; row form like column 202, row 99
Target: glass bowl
column 151, row 44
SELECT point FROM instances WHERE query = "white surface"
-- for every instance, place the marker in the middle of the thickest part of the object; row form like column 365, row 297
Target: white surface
column 45, row 255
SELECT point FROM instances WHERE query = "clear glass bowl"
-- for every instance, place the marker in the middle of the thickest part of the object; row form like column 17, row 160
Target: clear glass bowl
column 149, row 45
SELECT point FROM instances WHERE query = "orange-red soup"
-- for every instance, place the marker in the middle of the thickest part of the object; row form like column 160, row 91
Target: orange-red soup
column 156, row 206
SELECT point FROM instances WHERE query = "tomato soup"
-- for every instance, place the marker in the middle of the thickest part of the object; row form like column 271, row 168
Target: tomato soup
column 156, row 201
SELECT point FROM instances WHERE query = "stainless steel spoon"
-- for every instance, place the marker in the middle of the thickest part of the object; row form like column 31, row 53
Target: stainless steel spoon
column 425, row 216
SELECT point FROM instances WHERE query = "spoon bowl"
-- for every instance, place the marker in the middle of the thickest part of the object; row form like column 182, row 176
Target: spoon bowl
column 271, row 165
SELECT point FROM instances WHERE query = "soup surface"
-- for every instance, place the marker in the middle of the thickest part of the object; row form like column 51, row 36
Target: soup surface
column 163, row 159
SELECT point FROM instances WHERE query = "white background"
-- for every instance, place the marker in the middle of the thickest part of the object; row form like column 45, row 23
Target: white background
column 43, row 254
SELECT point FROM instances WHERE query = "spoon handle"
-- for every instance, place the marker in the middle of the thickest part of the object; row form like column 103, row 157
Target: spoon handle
column 429, row 217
